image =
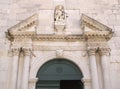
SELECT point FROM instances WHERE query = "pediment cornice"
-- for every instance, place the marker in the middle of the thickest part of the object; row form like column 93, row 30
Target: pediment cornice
column 93, row 24
column 24, row 25
column 99, row 30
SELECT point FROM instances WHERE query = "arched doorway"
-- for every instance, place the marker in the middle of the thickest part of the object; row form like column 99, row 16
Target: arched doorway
column 59, row 74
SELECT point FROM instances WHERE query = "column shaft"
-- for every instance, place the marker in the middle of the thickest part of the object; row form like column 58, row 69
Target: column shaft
column 105, row 68
column 14, row 69
column 25, row 78
column 93, row 68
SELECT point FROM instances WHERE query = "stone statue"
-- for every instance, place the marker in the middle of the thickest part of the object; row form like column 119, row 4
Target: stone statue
column 59, row 13
column 59, row 19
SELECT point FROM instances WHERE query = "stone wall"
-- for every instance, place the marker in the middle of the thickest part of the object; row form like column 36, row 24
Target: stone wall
column 105, row 11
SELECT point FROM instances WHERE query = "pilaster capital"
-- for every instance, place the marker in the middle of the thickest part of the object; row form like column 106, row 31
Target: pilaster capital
column 14, row 52
column 104, row 51
column 26, row 51
column 91, row 51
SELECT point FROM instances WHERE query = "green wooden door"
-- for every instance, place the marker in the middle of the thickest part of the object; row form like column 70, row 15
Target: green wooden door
column 53, row 72
column 48, row 84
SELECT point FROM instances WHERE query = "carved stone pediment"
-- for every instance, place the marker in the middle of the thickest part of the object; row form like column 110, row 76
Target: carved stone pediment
column 94, row 33
column 25, row 26
column 93, row 29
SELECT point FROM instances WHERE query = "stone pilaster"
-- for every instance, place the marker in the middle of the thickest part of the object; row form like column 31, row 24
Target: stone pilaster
column 15, row 57
column 93, row 68
column 25, row 77
column 104, row 52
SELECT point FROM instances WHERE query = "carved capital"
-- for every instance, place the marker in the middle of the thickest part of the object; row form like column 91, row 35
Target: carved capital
column 26, row 51
column 14, row 52
column 92, row 51
column 104, row 51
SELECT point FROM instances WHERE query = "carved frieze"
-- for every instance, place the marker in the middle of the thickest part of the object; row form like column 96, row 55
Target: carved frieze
column 59, row 38
column 51, row 48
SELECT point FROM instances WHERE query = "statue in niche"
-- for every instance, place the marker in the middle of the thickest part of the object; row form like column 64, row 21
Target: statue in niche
column 59, row 19
column 59, row 13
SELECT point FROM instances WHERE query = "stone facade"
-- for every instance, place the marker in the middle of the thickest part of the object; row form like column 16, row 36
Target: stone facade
column 87, row 34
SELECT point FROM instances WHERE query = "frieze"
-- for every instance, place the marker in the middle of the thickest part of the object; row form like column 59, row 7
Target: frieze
column 53, row 48
column 59, row 38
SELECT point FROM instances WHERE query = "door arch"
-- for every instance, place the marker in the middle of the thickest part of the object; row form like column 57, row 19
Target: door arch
column 59, row 74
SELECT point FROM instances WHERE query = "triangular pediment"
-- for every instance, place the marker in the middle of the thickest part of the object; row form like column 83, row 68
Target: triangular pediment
column 94, row 29
column 26, row 26
column 93, row 24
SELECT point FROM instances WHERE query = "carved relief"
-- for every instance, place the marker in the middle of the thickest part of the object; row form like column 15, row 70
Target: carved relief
column 59, row 13
column 14, row 52
column 92, row 51
column 27, row 51
column 59, row 53
column 59, row 19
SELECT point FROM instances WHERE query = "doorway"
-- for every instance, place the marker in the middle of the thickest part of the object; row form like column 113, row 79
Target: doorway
column 59, row 74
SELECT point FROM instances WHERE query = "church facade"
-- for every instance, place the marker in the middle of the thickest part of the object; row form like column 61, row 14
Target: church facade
column 61, row 48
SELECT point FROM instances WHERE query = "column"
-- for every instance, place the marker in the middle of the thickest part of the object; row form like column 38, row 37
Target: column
column 105, row 67
column 14, row 73
column 25, row 77
column 93, row 68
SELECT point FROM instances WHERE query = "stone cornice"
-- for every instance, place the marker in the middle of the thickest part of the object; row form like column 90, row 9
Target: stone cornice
column 46, row 37
column 98, row 34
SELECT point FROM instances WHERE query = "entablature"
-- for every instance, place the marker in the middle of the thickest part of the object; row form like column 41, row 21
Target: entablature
column 96, row 36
